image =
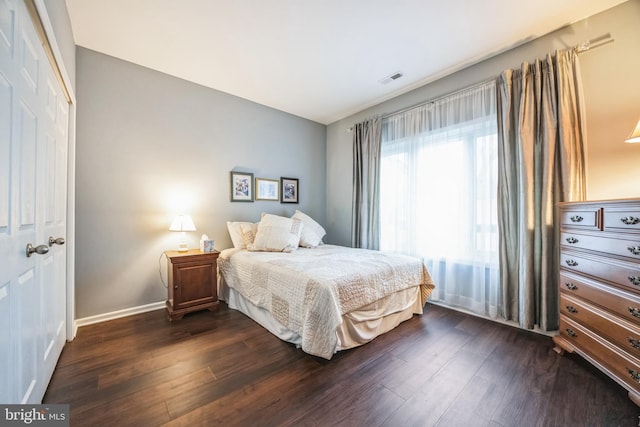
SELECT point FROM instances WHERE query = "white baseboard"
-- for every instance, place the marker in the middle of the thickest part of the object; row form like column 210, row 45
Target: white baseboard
column 119, row 313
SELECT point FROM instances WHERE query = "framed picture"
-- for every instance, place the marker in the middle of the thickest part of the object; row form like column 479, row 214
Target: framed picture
column 241, row 187
column 288, row 190
column 267, row 189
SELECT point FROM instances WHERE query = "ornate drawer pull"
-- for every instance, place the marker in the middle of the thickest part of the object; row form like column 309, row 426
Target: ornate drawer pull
column 571, row 263
column 635, row 280
column 571, row 286
column 635, row 312
column 576, row 218
column 630, row 220
column 634, row 249
column 634, row 374
column 571, row 333
column 571, row 309
column 573, row 240
column 634, row 343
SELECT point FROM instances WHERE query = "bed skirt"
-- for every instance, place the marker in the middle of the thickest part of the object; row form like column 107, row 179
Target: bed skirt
column 358, row 327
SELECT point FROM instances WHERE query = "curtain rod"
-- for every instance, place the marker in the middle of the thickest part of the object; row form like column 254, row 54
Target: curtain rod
column 580, row 48
column 593, row 43
column 585, row 46
column 431, row 101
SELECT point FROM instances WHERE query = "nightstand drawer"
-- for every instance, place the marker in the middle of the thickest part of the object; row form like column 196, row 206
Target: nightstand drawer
column 623, row 365
column 624, row 334
column 607, row 244
column 621, row 273
column 623, row 304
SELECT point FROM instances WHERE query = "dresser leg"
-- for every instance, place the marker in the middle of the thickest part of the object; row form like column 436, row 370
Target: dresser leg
column 634, row 397
column 561, row 345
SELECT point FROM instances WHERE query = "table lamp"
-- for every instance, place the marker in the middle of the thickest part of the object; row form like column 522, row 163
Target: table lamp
column 182, row 223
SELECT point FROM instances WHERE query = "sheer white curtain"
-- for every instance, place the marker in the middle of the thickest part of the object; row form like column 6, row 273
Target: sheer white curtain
column 438, row 184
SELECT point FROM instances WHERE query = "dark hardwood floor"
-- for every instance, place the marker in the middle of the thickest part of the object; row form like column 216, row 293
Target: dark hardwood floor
column 444, row 368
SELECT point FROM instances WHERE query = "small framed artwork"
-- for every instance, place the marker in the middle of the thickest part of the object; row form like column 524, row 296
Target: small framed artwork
column 241, row 187
column 267, row 189
column 288, row 190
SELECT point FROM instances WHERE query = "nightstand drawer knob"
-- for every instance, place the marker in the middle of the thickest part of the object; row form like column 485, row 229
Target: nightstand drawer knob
column 634, row 343
column 576, row 218
column 571, row 286
column 571, row 262
column 630, row 220
column 572, row 240
column 635, row 312
column 635, row 280
column 175, row 287
column 571, row 309
column 634, row 249
column 571, row 333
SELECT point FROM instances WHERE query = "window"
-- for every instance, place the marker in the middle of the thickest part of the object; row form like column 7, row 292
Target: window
column 438, row 201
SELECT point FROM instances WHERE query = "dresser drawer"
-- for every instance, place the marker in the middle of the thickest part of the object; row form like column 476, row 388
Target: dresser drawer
column 620, row 332
column 582, row 217
column 624, row 274
column 622, row 218
column 621, row 364
column 623, row 304
column 609, row 243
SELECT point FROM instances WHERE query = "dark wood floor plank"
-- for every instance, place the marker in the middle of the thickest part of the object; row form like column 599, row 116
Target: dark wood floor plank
column 474, row 406
column 442, row 368
column 135, row 408
column 425, row 357
column 438, row 393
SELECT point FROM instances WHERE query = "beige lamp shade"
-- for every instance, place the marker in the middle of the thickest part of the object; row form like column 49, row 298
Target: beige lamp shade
column 635, row 135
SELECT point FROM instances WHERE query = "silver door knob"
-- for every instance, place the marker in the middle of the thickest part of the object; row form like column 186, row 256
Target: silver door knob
column 58, row 241
column 40, row 250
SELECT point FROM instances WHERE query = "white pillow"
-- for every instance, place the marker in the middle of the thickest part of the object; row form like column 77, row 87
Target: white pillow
column 312, row 232
column 235, row 231
column 277, row 234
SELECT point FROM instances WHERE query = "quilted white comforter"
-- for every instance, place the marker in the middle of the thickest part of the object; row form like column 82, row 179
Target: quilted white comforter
column 308, row 290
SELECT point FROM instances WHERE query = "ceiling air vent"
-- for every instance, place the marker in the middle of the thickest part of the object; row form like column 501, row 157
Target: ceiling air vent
column 392, row 77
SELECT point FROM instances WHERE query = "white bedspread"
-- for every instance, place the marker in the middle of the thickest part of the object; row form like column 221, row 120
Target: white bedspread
column 308, row 290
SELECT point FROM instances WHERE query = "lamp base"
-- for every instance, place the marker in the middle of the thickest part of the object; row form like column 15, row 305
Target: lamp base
column 183, row 247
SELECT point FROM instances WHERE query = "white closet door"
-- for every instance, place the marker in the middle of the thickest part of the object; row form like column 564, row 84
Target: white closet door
column 33, row 199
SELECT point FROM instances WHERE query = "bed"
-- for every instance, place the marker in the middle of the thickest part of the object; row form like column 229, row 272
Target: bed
column 323, row 298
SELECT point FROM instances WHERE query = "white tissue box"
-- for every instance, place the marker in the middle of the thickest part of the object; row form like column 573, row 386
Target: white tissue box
column 206, row 245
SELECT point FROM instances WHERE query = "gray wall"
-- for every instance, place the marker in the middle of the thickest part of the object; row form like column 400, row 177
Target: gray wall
column 150, row 146
column 612, row 90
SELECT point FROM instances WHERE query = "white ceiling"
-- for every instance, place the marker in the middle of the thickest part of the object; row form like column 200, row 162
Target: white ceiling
column 323, row 59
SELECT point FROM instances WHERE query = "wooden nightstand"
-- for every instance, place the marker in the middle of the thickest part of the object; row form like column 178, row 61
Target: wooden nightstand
column 193, row 283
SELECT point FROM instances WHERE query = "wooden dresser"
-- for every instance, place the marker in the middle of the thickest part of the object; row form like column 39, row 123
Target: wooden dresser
column 600, row 287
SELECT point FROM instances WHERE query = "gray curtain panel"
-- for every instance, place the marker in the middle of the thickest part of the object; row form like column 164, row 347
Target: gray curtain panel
column 541, row 137
column 365, row 223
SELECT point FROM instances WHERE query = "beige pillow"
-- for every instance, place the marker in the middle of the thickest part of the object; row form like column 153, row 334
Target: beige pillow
column 236, row 234
column 276, row 234
column 312, row 232
column 249, row 230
